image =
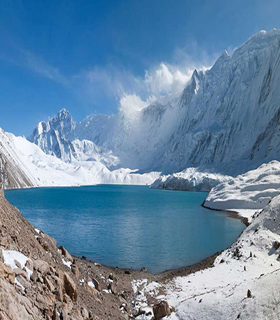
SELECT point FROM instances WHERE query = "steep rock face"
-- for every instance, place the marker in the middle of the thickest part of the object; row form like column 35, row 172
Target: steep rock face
column 54, row 137
column 227, row 114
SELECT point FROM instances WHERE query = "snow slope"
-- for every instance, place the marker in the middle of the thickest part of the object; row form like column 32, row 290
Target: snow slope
column 247, row 192
column 32, row 167
column 226, row 115
column 190, row 179
column 14, row 174
column 221, row 292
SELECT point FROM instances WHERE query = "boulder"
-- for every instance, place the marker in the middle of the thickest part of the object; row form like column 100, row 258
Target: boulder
column 84, row 313
column 66, row 254
column 70, row 287
column 276, row 245
column 4, row 242
column 112, row 286
column 161, row 310
column 23, row 282
column 59, row 294
column 49, row 284
column 75, row 270
column 96, row 284
column 249, row 294
column 29, row 264
column 41, row 266
column 89, row 289
column 20, row 272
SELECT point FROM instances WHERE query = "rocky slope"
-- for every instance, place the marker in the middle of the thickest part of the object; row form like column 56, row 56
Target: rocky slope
column 228, row 114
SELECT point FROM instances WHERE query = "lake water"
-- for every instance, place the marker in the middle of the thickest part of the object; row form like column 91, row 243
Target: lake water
column 129, row 226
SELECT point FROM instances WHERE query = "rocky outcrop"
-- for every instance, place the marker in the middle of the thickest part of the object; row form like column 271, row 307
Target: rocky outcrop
column 161, row 310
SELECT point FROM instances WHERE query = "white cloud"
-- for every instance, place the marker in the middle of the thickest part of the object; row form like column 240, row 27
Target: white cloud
column 102, row 86
column 131, row 103
column 166, row 80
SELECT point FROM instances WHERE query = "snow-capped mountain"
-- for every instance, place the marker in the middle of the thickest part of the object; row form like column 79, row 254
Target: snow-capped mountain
column 57, row 138
column 23, row 164
column 228, row 114
column 54, row 137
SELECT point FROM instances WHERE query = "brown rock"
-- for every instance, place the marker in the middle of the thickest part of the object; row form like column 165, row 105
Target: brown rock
column 68, row 303
column 45, row 301
column 70, row 287
column 75, row 270
column 20, row 272
column 33, row 276
column 57, row 281
column 23, row 282
column 29, row 264
column 49, row 284
column 17, row 263
column 3, row 242
column 96, row 284
column 161, row 310
column 59, row 294
column 112, row 286
column 56, row 314
column 66, row 254
column 7, row 272
column 89, row 289
column 41, row 266
column 84, row 313
column 49, row 239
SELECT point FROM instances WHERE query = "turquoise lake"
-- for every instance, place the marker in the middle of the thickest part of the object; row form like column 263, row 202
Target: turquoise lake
column 129, row 226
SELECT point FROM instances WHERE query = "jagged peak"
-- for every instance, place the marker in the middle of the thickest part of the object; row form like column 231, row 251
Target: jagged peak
column 259, row 40
column 195, row 74
column 64, row 113
column 222, row 58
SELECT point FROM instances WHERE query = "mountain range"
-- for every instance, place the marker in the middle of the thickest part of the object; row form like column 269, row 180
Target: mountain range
column 226, row 119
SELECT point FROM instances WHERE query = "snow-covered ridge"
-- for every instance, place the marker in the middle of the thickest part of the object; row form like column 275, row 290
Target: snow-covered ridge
column 190, row 179
column 225, row 115
column 26, row 165
column 247, row 192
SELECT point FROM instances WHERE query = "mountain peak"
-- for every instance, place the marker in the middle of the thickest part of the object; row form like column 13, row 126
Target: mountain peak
column 63, row 113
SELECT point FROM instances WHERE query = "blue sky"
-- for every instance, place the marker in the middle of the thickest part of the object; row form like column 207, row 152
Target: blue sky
column 98, row 56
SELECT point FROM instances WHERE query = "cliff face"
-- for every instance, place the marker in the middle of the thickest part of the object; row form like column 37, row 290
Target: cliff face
column 40, row 281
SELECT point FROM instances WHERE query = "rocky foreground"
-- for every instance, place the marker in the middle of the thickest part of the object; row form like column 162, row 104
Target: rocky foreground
column 38, row 280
